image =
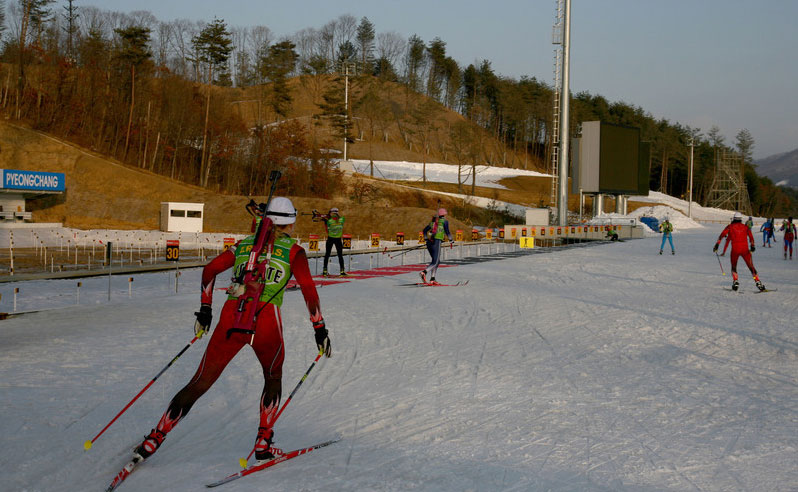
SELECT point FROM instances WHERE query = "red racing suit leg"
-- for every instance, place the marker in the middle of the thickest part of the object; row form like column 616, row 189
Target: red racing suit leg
column 746, row 256
column 268, row 347
column 270, row 351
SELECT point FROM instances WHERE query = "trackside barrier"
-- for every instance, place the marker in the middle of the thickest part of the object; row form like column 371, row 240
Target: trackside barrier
column 387, row 254
column 557, row 235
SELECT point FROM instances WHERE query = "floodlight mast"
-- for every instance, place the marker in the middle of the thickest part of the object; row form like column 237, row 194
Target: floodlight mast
column 690, row 186
column 562, row 193
column 346, row 67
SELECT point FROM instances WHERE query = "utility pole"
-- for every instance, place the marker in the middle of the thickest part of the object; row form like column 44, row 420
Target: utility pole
column 690, row 184
column 347, row 66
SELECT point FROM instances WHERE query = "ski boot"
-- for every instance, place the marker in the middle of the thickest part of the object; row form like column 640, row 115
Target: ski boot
column 660, row 251
column 150, row 444
column 263, row 445
column 673, row 251
column 344, row 274
column 423, row 275
column 760, row 286
column 325, row 273
column 735, row 285
column 432, row 281
column 264, row 451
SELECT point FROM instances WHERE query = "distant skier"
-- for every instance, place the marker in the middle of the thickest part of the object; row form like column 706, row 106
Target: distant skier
column 740, row 236
column 434, row 233
column 612, row 235
column 666, row 228
column 750, row 222
column 789, row 236
column 334, row 224
column 286, row 258
column 767, row 230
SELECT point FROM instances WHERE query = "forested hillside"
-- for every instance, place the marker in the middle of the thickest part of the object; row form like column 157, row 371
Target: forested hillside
column 219, row 106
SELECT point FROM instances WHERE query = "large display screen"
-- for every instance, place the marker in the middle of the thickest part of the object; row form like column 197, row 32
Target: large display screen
column 611, row 160
column 619, row 158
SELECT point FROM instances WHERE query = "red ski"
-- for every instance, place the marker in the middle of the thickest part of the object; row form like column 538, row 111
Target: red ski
column 279, row 459
column 436, row 284
column 124, row 473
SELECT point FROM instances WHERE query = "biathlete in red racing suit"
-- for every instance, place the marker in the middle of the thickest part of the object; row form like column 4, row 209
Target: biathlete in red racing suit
column 740, row 237
column 789, row 236
column 287, row 259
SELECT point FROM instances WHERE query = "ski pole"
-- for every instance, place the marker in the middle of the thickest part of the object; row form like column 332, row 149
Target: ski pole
column 87, row 445
column 243, row 462
column 719, row 263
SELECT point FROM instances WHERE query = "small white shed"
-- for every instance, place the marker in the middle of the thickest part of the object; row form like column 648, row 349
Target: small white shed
column 181, row 216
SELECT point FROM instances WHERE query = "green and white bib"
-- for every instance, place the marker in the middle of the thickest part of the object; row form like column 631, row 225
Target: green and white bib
column 278, row 271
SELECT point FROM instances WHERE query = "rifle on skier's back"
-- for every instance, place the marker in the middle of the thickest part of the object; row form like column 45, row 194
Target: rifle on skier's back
column 248, row 284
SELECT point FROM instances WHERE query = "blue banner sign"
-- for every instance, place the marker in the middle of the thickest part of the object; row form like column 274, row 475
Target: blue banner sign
column 31, row 180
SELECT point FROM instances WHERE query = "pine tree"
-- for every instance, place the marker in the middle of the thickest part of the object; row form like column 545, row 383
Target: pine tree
column 744, row 142
column 365, row 40
column 437, row 68
column 133, row 52
column 213, row 46
column 2, row 17
column 277, row 65
column 34, row 14
column 415, row 61
column 333, row 109
column 71, row 18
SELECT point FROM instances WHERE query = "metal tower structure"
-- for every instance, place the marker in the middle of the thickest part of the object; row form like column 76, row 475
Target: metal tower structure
column 561, row 37
column 728, row 186
column 556, row 39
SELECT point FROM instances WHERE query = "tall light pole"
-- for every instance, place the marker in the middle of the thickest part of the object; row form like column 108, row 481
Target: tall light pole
column 690, row 183
column 565, row 138
column 346, row 106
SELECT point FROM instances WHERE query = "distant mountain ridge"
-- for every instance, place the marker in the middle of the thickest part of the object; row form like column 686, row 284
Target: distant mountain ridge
column 781, row 168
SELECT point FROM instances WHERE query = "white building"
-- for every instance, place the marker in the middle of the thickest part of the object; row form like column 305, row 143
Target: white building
column 181, row 216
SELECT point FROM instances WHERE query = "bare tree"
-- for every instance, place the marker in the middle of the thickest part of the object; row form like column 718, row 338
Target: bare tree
column 391, row 46
column 328, row 40
column 345, row 28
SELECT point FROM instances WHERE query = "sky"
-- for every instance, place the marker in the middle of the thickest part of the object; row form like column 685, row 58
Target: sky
column 730, row 63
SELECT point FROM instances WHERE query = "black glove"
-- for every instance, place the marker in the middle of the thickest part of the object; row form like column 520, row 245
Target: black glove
column 715, row 249
column 203, row 323
column 753, row 248
column 322, row 338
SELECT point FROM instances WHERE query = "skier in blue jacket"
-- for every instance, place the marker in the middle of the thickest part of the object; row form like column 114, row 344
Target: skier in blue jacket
column 434, row 233
column 767, row 232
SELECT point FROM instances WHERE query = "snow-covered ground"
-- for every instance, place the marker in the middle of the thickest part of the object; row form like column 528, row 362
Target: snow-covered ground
column 700, row 213
column 594, row 368
column 487, row 176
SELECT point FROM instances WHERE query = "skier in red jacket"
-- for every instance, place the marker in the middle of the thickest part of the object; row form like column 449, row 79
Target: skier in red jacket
column 740, row 237
column 286, row 258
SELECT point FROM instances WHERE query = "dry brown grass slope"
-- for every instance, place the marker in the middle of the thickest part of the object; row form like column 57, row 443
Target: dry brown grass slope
column 105, row 194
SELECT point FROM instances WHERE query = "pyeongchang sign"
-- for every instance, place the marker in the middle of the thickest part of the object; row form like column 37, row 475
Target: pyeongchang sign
column 11, row 179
